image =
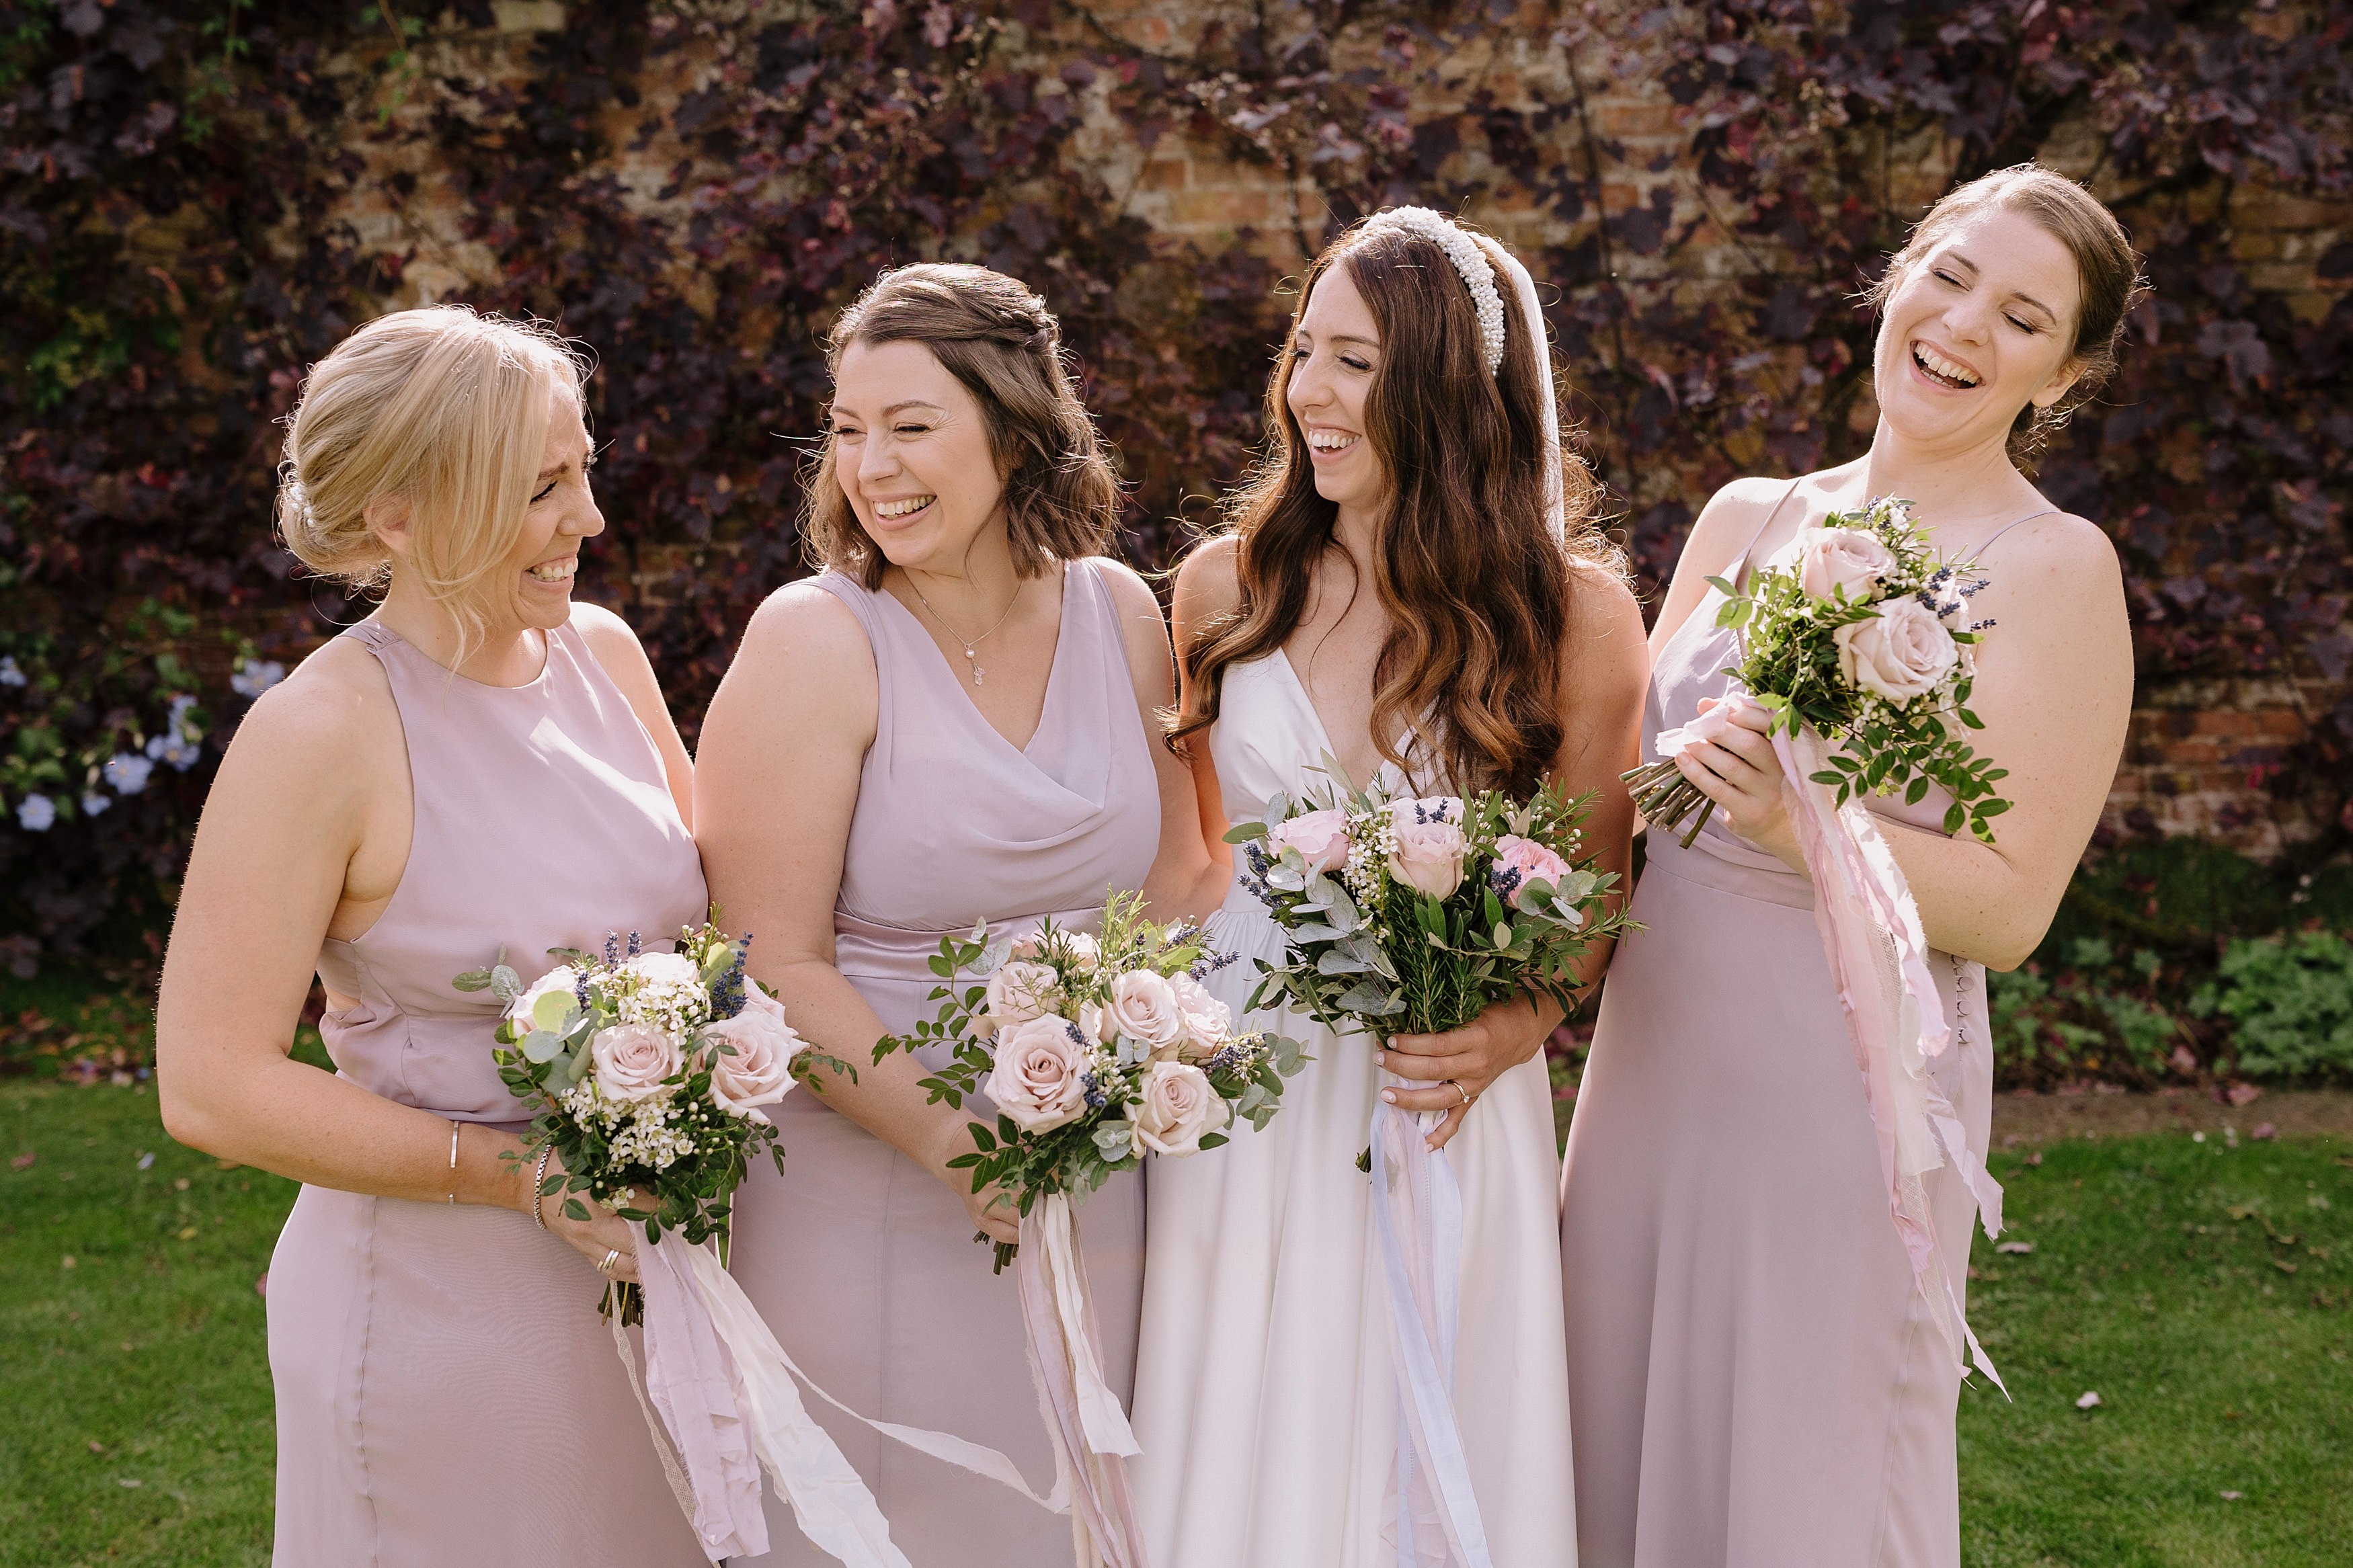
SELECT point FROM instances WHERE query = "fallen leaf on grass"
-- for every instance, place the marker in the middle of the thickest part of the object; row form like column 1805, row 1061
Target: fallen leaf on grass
column 67, row 1261
column 2089, row 1401
column 146, row 1159
column 2282, row 1264
column 23, row 1162
column 2234, row 1497
column 128, row 1481
column 189, row 1234
column 96, row 1446
column 2013, row 1247
column 2264, row 1132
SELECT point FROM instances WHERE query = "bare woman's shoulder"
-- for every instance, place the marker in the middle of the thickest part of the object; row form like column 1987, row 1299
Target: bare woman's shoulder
column 317, row 742
column 806, row 621
column 2061, row 556
column 1731, row 519
column 1209, row 582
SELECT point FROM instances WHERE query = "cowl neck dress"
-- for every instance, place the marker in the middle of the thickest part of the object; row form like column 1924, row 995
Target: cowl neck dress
column 862, row 1261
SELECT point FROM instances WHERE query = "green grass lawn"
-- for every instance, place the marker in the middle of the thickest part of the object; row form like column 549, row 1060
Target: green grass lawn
column 138, row 1381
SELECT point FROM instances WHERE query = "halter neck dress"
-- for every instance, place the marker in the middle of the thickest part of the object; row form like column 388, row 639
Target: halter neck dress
column 1756, row 1381
column 862, row 1261
column 1266, row 1390
column 446, row 1389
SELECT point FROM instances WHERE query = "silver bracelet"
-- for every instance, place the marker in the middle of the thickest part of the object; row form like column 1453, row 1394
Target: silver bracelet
column 538, row 1179
column 453, row 1164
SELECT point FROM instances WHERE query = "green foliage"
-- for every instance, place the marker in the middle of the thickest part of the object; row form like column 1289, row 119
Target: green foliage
column 2291, row 1001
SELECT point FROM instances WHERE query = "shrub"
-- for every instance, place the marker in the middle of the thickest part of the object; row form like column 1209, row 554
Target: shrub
column 2291, row 1002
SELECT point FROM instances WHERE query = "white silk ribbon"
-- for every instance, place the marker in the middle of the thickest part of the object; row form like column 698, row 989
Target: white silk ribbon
column 1896, row 1021
column 1418, row 1217
column 1091, row 1438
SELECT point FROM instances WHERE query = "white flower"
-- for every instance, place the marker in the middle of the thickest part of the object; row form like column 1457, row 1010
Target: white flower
column 127, row 772
column 1179, row 1106
column 667, row 993
column 563, row 978
column 1144, row 1007
column 1901, row 653
column 1019, row 990
column 253, row 676
column 632, row 1059
column 1208, row 1023
column 35, row 812
column 1040, row 1076
column 759, row 1072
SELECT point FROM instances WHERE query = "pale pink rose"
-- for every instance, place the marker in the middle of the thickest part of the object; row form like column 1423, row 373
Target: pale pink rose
column 1531, row 860
column 1019, row 990
column 1208, row 1023
column 562, row 978
column 1039, row 1079
column 1144, row 1007
column 1898, row 654
column 759, row 1071
column 1429, row 854
column 1086, row 954
column 632, row 1059
column 1320, row 837
column 1847, row 558
column 1178, row 1107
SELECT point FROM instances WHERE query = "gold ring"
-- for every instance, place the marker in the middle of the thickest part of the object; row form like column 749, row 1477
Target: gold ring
column 1466, row 1094
column 604, row 1264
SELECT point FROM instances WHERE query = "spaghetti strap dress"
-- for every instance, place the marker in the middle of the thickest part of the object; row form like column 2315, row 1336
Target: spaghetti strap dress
column 861, row 1260
column 1754, row 1379
column 446, row 1394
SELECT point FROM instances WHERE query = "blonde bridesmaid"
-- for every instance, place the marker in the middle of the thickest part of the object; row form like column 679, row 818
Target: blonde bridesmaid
column 480, row 763
column 1756, row 1379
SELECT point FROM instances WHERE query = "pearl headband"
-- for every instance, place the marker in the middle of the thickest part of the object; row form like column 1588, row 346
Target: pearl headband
column 1479, row 276
column 1478, row 273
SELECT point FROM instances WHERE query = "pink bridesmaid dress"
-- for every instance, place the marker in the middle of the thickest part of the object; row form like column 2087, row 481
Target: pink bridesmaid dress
column 1754, row 1380
column 861, row 1260
column 447, row 1393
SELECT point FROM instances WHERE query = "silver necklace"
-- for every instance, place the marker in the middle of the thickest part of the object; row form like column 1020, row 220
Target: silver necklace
column 971, row 645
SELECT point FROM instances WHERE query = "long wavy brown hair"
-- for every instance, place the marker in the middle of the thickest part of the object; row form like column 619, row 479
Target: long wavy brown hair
column 1476, row 588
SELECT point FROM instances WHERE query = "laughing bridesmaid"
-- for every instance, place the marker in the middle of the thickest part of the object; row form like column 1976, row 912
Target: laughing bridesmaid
column 1754, row 1377
column 479, row 763
column 951, row 723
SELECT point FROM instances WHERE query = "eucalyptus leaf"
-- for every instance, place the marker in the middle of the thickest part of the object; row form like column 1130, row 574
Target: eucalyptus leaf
column 540, row 1046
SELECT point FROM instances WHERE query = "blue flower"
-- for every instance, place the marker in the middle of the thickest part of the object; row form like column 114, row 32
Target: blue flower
column 181, row 743
column 127, row 772
column 35, row 812
column 9, row 674
column 92, row 802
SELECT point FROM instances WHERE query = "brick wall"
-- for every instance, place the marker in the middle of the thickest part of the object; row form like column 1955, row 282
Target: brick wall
column 2198, row 749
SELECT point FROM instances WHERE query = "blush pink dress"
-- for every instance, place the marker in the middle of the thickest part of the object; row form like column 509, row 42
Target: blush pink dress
column 861, row 1260
column 1755, row 1380
column 447, row 1393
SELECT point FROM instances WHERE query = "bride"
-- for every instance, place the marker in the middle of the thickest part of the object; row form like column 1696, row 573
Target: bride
column 1412, row 582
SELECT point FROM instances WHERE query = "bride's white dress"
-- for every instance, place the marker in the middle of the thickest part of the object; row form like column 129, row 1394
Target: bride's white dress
column 1265, row 1402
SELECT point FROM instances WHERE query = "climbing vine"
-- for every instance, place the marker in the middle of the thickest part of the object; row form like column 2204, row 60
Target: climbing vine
column 197, row 200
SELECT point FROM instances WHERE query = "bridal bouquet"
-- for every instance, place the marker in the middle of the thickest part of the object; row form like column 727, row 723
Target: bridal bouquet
column 649, row 1071
column 1852, row 640
column 1097, row 1051
column 1413, row 914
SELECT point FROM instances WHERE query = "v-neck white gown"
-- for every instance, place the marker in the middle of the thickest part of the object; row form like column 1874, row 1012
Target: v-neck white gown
column 1265, row 1401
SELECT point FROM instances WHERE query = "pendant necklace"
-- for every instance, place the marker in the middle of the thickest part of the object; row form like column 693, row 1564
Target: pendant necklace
column 971, row 645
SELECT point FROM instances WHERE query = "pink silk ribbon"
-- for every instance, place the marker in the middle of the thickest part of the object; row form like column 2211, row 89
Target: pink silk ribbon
column 1895, row 1018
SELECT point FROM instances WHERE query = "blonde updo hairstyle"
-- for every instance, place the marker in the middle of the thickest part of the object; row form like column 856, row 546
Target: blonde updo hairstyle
column 999, row 340
column 2107, row 271
column 445, row 410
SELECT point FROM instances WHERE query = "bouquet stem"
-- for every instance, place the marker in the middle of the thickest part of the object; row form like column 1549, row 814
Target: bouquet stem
column 1664, row 797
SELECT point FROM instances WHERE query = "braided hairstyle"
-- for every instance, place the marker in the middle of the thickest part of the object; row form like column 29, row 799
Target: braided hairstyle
column 999, row 340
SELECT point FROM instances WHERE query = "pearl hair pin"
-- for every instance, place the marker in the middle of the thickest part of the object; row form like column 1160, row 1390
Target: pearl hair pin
column 1478, row 272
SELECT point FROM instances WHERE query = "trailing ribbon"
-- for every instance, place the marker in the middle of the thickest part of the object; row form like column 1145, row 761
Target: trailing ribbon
column 1895, row 1020
column 1417, row 1216
column 1091, row 1439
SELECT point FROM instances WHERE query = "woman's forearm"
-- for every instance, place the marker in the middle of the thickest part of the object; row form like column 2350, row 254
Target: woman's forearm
column 294, row 1121
column 888, row 1098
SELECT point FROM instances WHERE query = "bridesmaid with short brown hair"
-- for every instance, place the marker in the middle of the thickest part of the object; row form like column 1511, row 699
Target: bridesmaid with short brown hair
column 1754, row 1376
column 480, row 763
column 953, row 723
